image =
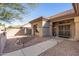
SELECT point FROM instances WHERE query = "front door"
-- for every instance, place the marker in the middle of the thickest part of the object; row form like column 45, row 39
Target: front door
column 54, row 30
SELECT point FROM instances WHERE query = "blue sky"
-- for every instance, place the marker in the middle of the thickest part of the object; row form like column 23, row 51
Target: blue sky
column 44, row 9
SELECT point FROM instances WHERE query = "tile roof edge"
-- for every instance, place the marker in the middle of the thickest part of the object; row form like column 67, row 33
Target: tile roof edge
column 62, row 13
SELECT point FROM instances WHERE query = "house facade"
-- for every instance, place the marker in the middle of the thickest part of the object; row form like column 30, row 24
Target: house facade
column 64, row 25
column 40, row 27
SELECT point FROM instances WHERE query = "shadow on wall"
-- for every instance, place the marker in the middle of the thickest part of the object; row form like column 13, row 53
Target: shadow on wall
column 46, row 28
column 28, row 31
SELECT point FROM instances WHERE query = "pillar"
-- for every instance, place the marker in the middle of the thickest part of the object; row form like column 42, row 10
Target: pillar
column 32, row 31
column 25, row 31
column 51, row 28
column 76, row 31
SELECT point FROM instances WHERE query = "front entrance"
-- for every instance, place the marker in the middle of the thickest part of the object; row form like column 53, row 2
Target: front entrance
column 61, row 29
column 64, row 31
column 54, row 29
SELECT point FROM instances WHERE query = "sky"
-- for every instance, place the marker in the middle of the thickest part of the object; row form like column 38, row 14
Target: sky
column 43, row 9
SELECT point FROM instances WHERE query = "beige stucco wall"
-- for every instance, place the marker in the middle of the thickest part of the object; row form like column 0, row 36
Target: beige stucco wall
column 50, row 28
column 72, row 28
column 46, row 28
column 39, row 27
column 76, row 21
column 43, row 27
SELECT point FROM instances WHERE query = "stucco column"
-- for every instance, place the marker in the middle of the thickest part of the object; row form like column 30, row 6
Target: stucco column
column 50, row 28
column 32, row 31
column 25, row 31
column 76, row 21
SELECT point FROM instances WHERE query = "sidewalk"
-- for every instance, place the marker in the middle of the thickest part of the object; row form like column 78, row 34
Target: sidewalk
column 34, row 50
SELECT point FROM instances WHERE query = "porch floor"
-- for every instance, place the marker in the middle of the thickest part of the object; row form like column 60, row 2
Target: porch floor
column 65, row 48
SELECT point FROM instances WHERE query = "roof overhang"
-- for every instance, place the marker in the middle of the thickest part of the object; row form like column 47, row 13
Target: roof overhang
column 36, row 20
column 76, row 8
column 64, row 15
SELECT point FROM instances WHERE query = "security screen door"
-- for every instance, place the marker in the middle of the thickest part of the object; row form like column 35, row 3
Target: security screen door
column 64, row 31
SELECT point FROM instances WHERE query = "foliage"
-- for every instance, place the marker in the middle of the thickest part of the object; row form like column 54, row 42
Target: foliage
column 2, row 24
column 9, row 11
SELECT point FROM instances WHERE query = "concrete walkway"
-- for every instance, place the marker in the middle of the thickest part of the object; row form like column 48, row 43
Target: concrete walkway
column 34, row 50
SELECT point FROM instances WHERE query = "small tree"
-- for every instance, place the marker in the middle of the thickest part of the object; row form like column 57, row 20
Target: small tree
column 9, row 11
